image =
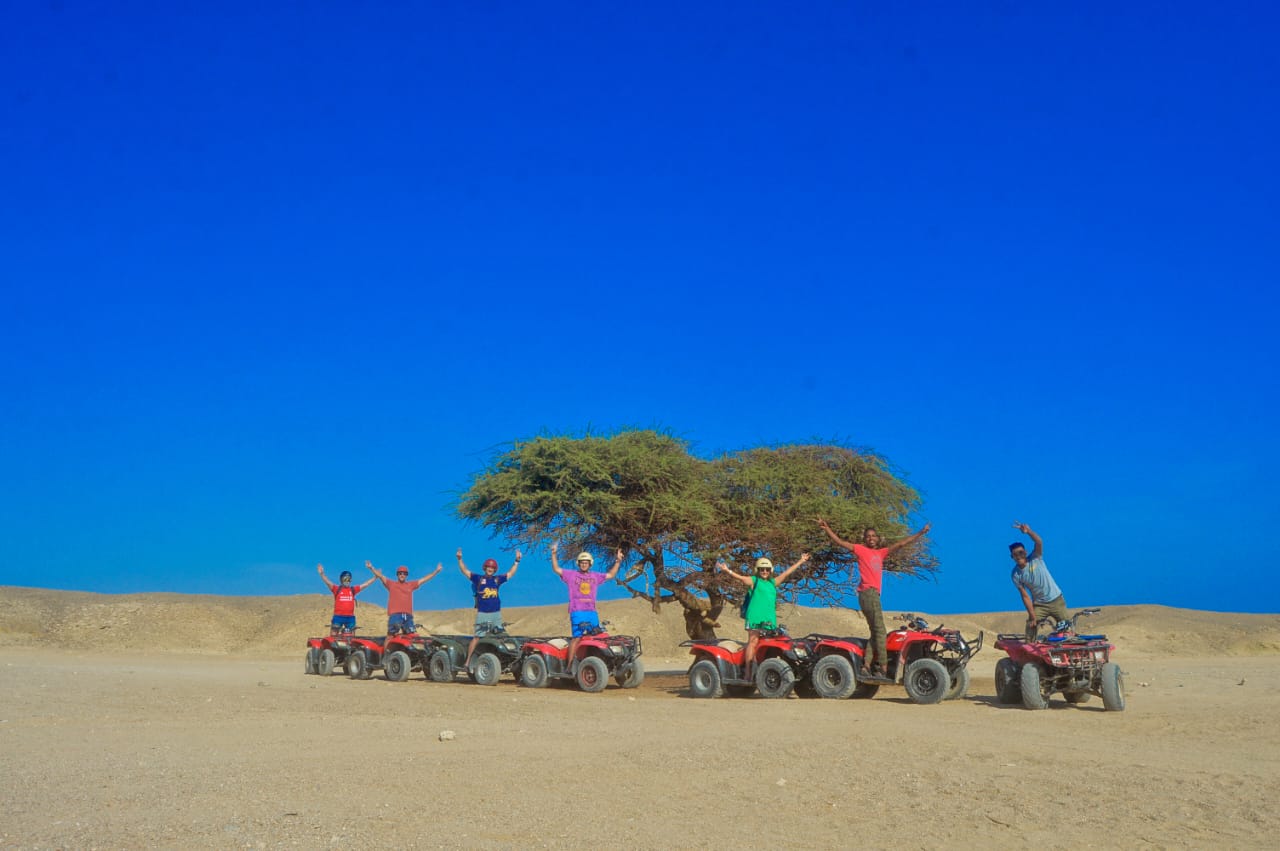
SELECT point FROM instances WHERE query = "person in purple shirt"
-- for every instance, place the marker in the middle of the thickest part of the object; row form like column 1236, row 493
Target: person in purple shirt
column 583, row 585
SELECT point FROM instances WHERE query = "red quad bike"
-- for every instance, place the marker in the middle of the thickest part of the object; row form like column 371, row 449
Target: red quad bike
column 598, row 656
column 365, row 656
column 930, row 662
column 329, row 652
column 1076, row 665
column 781, row 663
column 399, row 653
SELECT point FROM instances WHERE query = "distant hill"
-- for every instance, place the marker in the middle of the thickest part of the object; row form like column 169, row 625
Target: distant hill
column 279, row 626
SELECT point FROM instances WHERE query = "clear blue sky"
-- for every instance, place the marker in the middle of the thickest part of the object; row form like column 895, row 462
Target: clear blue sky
column 279, row 278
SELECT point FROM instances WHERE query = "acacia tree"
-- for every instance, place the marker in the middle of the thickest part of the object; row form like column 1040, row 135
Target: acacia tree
column 675, row 514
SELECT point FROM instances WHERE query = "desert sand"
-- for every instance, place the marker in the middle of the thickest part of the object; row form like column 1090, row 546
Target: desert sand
column 186, row 722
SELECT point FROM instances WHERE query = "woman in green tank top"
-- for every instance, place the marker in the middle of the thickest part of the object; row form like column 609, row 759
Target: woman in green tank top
column 762, row 605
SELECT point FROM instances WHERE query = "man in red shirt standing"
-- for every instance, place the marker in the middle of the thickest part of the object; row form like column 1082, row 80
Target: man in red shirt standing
column 344, row 600
column 400, row 596
column 871, row 556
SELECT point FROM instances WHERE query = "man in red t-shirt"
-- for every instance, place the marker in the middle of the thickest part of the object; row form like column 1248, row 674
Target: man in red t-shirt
column 870, row 556
column 400, row 596
column 344, row 600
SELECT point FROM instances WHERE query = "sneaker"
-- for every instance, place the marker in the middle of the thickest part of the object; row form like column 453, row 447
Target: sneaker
column 877, row 675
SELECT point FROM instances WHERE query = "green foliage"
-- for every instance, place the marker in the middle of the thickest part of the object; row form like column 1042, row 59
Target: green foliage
column 675, row 514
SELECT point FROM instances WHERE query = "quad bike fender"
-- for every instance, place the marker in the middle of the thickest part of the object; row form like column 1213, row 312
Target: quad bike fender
column 716, row 653
column 545, row 649
column 852, row 648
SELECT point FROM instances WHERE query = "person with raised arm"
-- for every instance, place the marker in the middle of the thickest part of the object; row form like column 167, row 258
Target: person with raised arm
column 344, row 600
column 484, row 586
column 400, row 596
column 762, row 604
column 583, row 585
column 870, row 556
column 1041, row 596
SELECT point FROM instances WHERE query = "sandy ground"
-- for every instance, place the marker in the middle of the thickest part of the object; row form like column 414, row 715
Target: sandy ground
column 128, row 748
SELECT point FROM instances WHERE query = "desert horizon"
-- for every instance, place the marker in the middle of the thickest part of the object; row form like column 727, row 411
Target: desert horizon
column 279, row 625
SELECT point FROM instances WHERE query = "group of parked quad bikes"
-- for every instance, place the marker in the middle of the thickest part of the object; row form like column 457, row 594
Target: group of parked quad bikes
column 533, row 662
column 930, row 663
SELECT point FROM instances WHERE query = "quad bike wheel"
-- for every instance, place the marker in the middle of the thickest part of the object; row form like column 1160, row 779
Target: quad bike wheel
column 534, row 671
column 397, row 666
column 1035, row 694
column 959, row 685
column 833, row 678
column 486, row 669
column 1112, row 687
column 357, row 665
column 704, row 679
column 1008, row 684
column 309, row 664
column 326, row 662
column 926, row 681
column 593, row 674
column 631, row 674
column 439, row 668
column 774, row 678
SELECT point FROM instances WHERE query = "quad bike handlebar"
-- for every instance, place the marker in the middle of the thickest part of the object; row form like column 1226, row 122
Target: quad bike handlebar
column 914, row 621
column 1058, row 626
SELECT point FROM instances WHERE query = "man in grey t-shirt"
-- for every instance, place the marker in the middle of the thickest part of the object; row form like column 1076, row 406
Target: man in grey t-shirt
column 1040, row 594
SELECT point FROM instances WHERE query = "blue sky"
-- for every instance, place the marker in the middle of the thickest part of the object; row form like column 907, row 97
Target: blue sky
column 277, row 281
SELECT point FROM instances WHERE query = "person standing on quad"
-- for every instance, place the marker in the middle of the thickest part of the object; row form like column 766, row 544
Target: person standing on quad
column 485, row 588
column 344, row 600
column 400, row 596
column 870, row 557
column 1040, row 594
column 583, row 586
column 762, row 602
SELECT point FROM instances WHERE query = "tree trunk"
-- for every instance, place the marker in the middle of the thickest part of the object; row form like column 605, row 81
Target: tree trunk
column 700, row 616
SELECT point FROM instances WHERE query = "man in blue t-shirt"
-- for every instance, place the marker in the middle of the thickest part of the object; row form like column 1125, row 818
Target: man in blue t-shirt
column 1040, row 594
column 485, row 588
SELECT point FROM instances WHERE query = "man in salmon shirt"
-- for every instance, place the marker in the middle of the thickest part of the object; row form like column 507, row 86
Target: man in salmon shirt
column 344, row 600
column 871, row 556
column 400, row 596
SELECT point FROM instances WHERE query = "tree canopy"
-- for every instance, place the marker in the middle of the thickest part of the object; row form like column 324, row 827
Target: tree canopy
column 675, row 514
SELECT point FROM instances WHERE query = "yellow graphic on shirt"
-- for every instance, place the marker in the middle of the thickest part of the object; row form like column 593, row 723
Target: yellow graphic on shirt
column 584, row 589
column 489, row 593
